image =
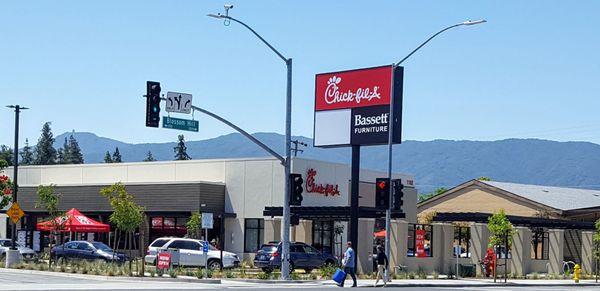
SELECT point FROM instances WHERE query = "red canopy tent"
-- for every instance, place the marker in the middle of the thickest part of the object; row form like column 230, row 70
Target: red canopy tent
column 73, row 221
column 379, row 234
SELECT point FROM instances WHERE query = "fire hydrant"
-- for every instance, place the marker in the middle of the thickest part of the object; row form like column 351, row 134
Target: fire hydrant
column 576, row 273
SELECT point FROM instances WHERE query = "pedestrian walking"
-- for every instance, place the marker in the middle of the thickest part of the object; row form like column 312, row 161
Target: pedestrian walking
column 349, row 263
column 382, row 265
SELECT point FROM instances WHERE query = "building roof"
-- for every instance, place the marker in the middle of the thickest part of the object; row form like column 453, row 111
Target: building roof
column 556, row 197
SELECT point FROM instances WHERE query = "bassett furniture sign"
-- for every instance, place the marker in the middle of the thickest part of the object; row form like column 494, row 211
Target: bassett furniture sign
column 353, row 107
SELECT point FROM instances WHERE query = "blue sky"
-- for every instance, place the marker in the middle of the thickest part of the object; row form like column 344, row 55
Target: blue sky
column 532, row 71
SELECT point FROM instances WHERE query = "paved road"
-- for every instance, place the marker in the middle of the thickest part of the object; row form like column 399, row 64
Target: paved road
column 10, row 280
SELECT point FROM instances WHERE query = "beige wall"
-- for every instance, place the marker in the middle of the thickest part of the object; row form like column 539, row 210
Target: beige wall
column 472, row 199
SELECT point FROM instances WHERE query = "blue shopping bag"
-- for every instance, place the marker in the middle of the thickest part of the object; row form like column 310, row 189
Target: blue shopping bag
column 339, row 276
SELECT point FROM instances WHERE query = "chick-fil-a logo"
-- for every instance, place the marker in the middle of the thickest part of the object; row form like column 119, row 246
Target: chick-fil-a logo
column 333, row 94
column 325, row 189
column 357, row 88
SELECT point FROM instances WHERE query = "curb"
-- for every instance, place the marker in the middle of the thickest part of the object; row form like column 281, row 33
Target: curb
column 112, row 278
column 274, row 281
column 467, row 285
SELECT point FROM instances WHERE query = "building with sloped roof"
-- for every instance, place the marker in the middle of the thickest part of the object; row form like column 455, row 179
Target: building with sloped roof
column 517, row 199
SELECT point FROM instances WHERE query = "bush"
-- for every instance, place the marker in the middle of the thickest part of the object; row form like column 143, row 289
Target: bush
column 263, row 276
column 294, row 276
column 435, row 275
column 412, row 275
column 229, row 274
column 173, row 273
column 421, row 273
column 327, row 271
column 152, row 273
column 199, row 273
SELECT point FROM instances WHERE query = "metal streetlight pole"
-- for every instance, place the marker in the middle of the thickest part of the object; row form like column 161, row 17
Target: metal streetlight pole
column 285, row 268
column 388, row 214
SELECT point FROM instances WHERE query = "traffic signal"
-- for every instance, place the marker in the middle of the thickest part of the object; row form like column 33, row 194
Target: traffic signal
column 296, row 189
column 152, row 104
column 397, row 194
column 294, row 220
column 382, row 193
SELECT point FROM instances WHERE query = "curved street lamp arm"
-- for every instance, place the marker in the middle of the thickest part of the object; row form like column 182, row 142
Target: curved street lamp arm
column 243, row 132
column 425, row 42
column 258, row 35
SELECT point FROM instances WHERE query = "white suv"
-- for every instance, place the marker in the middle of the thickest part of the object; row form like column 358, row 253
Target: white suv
column 191, row 254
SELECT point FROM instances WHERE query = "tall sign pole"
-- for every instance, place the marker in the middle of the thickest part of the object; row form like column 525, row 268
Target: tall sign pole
column 388, row 211
column 285, row 264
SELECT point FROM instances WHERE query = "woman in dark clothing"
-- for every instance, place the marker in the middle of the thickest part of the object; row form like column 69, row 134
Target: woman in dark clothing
column 382, row 265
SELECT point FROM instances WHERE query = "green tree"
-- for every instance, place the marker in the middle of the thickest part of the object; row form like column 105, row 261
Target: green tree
column 149, row 157
column 49, row 200
column 63, row 154
column 429, row 195
column 6, row 154
column 75, row 155
column 181, row 150
column 501, row 230
column 107, row 158
column 116, row 157
column 6, row 186
column 26, row 154
column 45, row 154
column 126, row 215
column 483, row 178
column 193, row 225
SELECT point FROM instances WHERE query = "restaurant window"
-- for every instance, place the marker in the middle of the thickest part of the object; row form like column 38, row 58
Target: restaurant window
column 420, row 243
column 539, row 244
column 253, row 234
column 462, row 236
column 322, row 238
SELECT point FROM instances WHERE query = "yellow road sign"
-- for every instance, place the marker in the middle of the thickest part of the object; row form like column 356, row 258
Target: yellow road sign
column 15, row 212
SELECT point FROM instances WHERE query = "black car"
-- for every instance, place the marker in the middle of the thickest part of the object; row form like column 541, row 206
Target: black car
column 84, row 250
column 302, row 256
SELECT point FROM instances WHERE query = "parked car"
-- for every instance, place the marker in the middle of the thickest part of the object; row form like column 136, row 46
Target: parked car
column 27, row 253
column 302, row 256
column 191, row 254
column 84, row 250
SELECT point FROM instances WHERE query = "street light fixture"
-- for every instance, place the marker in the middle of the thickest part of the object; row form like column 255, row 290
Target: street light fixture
column 388, row 214
column 285, row 270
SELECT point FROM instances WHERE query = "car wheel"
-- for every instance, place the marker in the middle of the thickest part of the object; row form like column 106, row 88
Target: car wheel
column 329, row 263
column 308, row 270
column 214, row 265
column 61, row 260
column 267, row 270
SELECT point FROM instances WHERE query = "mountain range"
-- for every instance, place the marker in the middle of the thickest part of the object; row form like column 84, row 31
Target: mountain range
column 436, row 163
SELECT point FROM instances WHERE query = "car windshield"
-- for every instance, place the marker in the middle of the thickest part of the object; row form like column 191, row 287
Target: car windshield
column 268, row 248
column 101, row 246
column 160, row 242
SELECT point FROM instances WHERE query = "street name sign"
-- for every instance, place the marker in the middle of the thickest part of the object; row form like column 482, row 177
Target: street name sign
column 181, row 124
column 179, row 102
column 15, row 212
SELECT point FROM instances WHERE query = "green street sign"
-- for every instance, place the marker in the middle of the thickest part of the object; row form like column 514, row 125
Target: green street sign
column 181, row 124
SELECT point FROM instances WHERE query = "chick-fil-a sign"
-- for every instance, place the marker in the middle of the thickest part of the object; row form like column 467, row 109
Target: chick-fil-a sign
column 325, row 189
column 355, row 88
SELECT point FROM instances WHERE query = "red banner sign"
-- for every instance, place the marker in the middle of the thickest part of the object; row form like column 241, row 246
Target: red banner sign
column 313, row 187
column 163, row 261
column 420, row 243
column 355, row 88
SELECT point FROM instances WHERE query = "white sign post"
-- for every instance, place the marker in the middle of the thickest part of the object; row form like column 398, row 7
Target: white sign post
column 207, row 223
column 179, row 102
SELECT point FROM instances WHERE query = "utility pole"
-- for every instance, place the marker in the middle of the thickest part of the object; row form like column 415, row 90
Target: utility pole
column 296, row 144
column 10, row 259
